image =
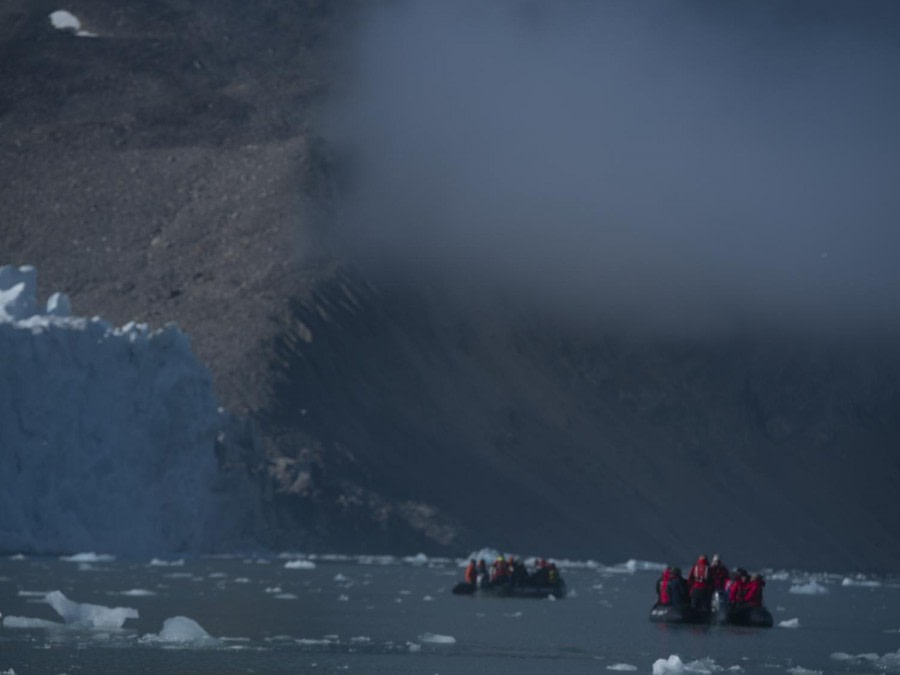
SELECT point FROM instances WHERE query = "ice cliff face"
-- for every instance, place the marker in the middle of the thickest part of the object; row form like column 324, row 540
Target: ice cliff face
column 107, row 435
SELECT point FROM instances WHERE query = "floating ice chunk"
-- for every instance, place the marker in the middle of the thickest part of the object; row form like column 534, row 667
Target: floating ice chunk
column 65, row 20
column 414, row 647
column 623, row 667
column 811, row 588
column 285, row 596
column 436, row 639
column 157, row 562
column 861, row 581
column 376, row 560
column 800, row 670
column 300, row 565
column 889, row 661
column 137, row 593
column 789, row 623
column 343, row 598
column 28, row 622
column 88, row 558
column 180, row 630
column 340, row 577
column 85, row 614
column 418, row 559
column 633, row 565
column 674, row 664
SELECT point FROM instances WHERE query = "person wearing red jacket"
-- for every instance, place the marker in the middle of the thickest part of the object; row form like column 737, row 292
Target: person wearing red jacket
column 718, row 574
column 737, row 587
column 471, row 575
column 699, row 584
column 753, row 593
column 662, row 587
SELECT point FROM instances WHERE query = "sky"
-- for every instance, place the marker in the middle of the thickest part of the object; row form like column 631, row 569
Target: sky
column 676, row 167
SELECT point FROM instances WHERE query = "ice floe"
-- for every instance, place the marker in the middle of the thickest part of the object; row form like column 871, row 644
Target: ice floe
column 28, row 622
column 789, row 623
column 889, row 661
column 861, row 581
column 89, row 615
column 158, row 562
column 674, row 665
column 75, row 614
column 300, row 565
column 88, row 558
column 622, row 667
column 137, row 593
column 182, row 631
column 812, row 587
column 437, row 639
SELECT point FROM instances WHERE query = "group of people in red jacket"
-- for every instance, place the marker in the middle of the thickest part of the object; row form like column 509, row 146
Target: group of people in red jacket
column 704, row 579
column 510, row 571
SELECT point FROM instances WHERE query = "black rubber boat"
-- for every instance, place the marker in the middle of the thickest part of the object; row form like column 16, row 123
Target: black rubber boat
column 720, row 613
column 759, row 617
column 679, row 614
column 507, row 590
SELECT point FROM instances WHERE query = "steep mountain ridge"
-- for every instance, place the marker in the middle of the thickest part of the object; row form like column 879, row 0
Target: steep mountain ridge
column 537, row 434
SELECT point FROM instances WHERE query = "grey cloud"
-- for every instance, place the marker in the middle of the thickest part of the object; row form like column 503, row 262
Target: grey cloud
column 674, row 168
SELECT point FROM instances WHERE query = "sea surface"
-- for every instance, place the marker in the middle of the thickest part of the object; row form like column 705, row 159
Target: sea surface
column 364, row 614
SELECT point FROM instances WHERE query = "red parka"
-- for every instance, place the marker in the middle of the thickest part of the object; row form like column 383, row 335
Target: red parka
column 471, row 575
column 736, row 590
column 753, row 594
column 664, row 598
column 699, row 576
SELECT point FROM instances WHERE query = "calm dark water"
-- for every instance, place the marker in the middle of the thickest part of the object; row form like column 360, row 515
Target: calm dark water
column 363, row 615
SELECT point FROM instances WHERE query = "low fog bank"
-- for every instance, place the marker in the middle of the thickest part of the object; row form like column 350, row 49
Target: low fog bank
column 687, row 170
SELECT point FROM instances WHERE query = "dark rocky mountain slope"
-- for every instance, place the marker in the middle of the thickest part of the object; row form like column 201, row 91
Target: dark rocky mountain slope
column 170, row 169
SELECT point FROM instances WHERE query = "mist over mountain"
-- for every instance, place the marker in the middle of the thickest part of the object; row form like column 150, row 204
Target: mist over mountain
column 684, row 170
column 577, row 279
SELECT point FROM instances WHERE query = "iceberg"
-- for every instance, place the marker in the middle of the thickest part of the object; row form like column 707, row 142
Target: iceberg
column 88, row 615
column 182, row 631
column 674, row 665
column 811, row 588
column 109, row 435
